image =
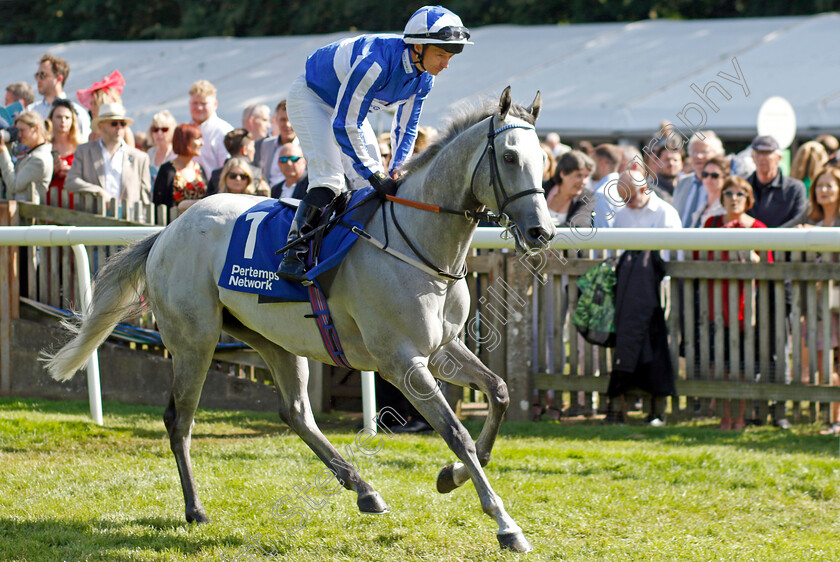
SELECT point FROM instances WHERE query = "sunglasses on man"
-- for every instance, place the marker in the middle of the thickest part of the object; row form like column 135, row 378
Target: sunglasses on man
column 287, row 159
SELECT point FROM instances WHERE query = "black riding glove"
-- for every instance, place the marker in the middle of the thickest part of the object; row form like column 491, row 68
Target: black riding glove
column 383, row 184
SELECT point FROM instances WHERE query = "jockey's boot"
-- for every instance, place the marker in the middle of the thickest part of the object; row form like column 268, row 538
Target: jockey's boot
column 293, row 265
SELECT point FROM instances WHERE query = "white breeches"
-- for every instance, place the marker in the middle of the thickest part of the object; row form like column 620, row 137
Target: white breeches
column 326, row 164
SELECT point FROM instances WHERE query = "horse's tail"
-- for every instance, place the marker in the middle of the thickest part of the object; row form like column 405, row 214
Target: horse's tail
column 117, row 294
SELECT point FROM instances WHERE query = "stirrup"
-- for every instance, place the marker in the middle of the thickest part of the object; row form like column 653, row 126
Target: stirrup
column 293, row 265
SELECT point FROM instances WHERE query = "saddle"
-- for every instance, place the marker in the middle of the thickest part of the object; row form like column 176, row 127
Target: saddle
column 251, row 262
column 332, row 218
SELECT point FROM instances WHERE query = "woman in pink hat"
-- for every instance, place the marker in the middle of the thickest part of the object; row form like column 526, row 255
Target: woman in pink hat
column 107, row 90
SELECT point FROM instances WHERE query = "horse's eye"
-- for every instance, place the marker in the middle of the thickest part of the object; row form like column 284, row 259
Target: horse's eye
column 510, row 157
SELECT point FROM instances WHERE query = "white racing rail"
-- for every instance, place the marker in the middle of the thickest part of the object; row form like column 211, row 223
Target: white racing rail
column 806, row 239
column 76, row 238
column 786, row 239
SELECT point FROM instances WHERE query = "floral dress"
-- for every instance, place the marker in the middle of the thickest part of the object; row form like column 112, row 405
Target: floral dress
column 173, row 186
column 189, row 189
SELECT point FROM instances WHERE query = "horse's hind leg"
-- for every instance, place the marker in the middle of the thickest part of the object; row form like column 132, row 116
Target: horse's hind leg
column 291, row 375
column 455, row 363
column 190, row 371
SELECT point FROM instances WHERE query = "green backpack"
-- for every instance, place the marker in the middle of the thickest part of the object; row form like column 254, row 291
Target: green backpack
column 595, row 313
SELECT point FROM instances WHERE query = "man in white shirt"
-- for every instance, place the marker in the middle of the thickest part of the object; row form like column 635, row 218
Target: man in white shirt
column 51, row 77
column 203, row 105
column 607, row 158
column 640, row 321
column 643, row 208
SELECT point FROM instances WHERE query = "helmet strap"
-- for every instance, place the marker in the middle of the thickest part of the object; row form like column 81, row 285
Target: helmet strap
column 420, row 55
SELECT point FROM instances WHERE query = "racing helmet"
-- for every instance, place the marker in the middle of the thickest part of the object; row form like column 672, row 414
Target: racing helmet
column 435, row 25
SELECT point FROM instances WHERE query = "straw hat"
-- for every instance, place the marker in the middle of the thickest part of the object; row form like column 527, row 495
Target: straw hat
column 111, row 112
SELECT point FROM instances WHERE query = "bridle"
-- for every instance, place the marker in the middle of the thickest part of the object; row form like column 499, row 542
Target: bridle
column 499, row 192
column 503, row 199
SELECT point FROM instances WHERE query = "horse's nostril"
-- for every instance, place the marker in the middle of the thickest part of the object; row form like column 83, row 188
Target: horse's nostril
column 538, row 233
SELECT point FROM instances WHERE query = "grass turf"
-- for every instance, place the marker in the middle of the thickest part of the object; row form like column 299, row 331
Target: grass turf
column 71, row 490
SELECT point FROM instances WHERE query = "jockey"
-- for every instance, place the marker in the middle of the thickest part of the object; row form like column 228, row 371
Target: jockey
column 343, row 82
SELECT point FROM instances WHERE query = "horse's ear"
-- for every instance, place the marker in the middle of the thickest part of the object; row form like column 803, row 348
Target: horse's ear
column 504, row 103
column 536, row 105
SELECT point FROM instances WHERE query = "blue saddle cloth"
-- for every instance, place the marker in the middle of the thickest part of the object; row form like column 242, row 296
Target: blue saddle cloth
column 251, row 262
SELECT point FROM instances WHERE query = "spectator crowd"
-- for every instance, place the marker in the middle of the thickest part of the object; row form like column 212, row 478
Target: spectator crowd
column 613, row 186
column 87, row 145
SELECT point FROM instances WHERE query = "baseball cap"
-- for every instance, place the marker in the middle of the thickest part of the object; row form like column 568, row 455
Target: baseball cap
column 765, row 143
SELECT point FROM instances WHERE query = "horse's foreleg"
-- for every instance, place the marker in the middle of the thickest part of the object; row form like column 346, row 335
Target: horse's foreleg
column 416, row 382
column 291, row 375
column 296, row 411
column 455, row 363
column 190, row 372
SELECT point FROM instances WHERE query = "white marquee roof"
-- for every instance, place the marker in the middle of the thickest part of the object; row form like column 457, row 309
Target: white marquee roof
column 610, row 79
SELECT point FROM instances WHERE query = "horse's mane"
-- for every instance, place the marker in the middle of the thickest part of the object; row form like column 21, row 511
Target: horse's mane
column 462, row 119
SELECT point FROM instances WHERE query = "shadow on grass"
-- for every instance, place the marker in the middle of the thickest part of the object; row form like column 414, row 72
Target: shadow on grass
column 109, row 541
column 47, row 539
column 128, row 417
column 800, row 439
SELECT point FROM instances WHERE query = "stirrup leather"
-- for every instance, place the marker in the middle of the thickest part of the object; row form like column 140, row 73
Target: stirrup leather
column 293, row 265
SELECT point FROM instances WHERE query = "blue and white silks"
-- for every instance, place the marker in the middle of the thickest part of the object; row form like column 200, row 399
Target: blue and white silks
column 364, row 74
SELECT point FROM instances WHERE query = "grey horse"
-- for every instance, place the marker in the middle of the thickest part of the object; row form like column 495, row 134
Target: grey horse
column 391, row 316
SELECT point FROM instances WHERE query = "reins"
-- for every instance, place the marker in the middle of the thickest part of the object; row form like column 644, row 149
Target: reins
column 499, row 192
column 467, row 214
column 424, row 264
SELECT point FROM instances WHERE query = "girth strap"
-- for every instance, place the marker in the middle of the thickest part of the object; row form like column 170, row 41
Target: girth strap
column 329, row 334
column 321, row 313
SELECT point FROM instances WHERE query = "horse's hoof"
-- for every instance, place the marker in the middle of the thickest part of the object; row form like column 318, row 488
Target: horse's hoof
column 446, row 479
column 515, row 542
column 197, row 516
column 372, row 503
